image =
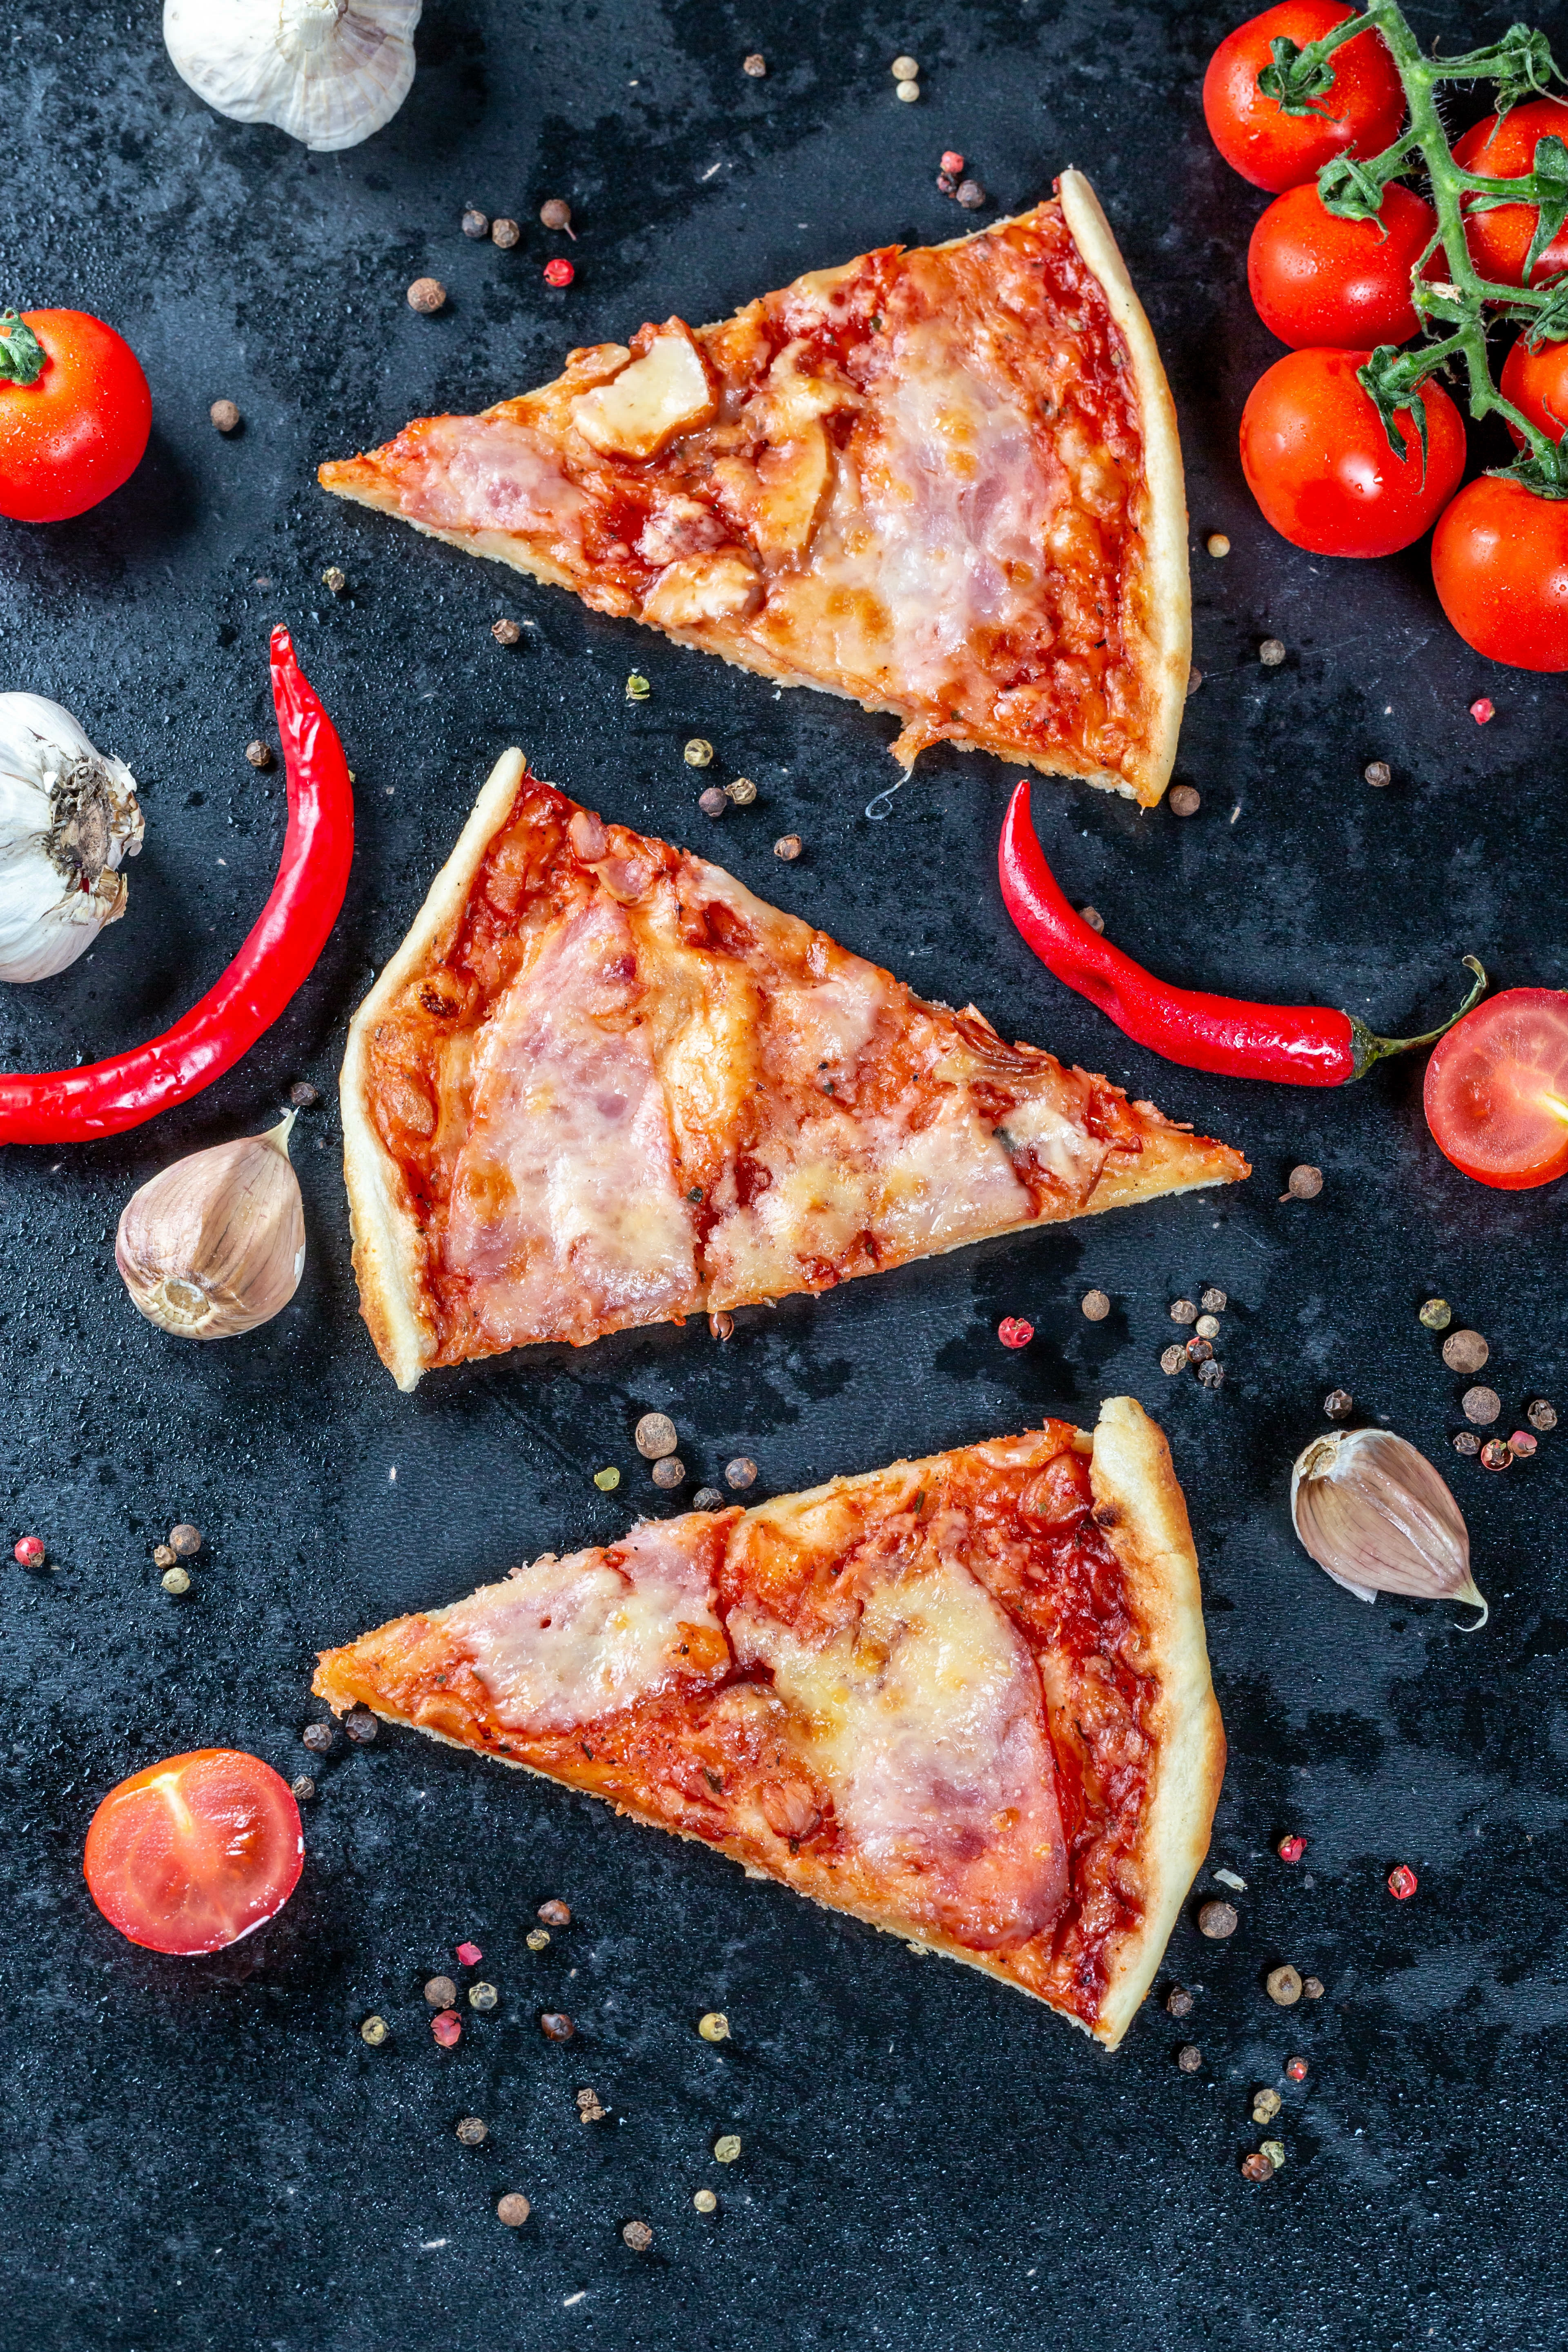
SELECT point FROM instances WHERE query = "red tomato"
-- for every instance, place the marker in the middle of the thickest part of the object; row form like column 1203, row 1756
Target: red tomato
column 79, row 430
column 1319, row 463
column 195, row 1851
column 1497, row 1091
column 1499, row 240
column 1537, row 383
column 1363, row 112
column 1499, row 558
column 1317, row 278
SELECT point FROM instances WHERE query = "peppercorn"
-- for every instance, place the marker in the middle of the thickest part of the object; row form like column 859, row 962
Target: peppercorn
column 1378, row 773
column 1296, row 2070
column 427, row 295
column 1093, row 918
column 1271, row 653
column 707, row 1498
column 720, row 1324
column 1212, row 1373
column 476, row 224
column 1265, row 2105
column 1173, row 1360
column 448, row 2028
column 1189, row 2057
column 1312, row 1987
column 590, row 2109
column 714, row 802
column 163, row 1555
column 559, row 273
column 607, row 1480
column 742, row 792
column 669, row 1472
column 1186, row 800
column 537, row 1938
column 303, row 1095
column 504, row 233
column 512, row 2209
column 637, row 687
column 374, row 2031
column 1480, row 1405
column 1179, row 2002
column 174, row 1580
column 907, row 91
column 1273, row 2149
column 788, row 847
column 698, row 752
column 335, row 578
column 259, row 754
column 472, row 2130
column 1338, row 1404
column 1402, row 1881
column 1217, row 543
column 1207, row 1327
column 505, row 632
column 1284, row 1987
column 1521, row 1442
column 971, row 194
column 1291, row 1849
column 1014, row 1331
column 655, row 1434
column 1200, row 1350
column 1094, row 1305
column 28, row 1551
column 705, row 2201
column 904, row 69
column 1542, row 1415
column 1467, row 1442
column 319, row 1736
column 1465, row 1352
column 714, row 2027
column 1483, row 708
column 361, row 1725
column 1217, row 1920
column 555, row 1914
column 224, row 415
column 556, row 2026
column 741, row 1472
column 1437, row 1314
column 638, row 2236
column 440, row 1993
column 302, row 1789
column 468, row 1956
column 482, row 1996
column 184, row 1540
column 1305, row 1182
column 555, row 213
column 1256, row 2168
column 727, row 2148
column 1183, row 1311
column 1496, row 1455
column 756, row 64
column 1214, row 1302
column 1195, row 679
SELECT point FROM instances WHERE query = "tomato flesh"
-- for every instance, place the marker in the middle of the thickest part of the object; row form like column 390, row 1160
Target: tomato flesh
column 1500, row 563
column 1319, row 464
column 1497, row 1091
column 1504, row 149
column 79, row 429
column 1318, row 280
column 1537, row 383
column 1361, row 114
column 195, row 1851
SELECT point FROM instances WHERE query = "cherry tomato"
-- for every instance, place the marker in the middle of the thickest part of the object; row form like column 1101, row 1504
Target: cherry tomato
column 1319, row 462
column 1499, row 240
column 1499, row 559
column 1362, row 113
column 1497, row 1091
column 195, row 1851
column 1537, row 383
column 1317, row 278
column 79, row 429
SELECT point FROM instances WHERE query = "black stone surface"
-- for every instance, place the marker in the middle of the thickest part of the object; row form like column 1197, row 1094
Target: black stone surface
column 205, row 2154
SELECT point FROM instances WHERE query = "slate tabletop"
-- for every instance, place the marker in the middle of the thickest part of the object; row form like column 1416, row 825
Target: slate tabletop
column 205, row 2154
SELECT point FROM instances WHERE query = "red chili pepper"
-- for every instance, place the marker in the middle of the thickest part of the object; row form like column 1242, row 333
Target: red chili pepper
column 1299, row 1044
column 107, row 1098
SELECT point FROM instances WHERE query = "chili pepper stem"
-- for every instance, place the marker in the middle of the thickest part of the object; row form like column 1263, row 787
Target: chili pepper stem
column 1370, row 1048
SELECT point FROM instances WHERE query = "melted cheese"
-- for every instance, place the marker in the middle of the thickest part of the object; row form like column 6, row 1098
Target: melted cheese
column 568, row 1642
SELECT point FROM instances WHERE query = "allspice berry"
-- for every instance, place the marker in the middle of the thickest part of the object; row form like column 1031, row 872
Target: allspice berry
column 655, row 1435
column 1305, row 1182
column 555, row 213
column 427, row 295
column 1094, row 1305
column 224, row 415
column 1184, row 800
column 504, row 233
column 512, row 2209
column 1217, row 1920
column 1465, row 1352
column 1284, row 1987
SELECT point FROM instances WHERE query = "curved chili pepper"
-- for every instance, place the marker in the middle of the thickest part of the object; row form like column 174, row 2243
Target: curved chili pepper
column 1298, row 1044
column 107, row 1098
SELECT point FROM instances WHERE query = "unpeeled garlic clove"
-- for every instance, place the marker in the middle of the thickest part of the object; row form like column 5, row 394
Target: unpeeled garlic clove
column 215, row 1244
column 1376, row 1515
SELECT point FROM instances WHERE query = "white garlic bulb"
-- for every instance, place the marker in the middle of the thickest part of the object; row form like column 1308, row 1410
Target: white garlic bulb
column 215, row 1244
column 68, row 816
column 328, row 72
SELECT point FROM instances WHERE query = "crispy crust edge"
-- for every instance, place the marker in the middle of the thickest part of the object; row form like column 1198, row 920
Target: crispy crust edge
column 1130, row 1470
column 387, row 1259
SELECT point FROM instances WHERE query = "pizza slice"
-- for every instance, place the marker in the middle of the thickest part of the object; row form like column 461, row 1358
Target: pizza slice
column 601, row 1084
column 944, row 482
column 966, row 1699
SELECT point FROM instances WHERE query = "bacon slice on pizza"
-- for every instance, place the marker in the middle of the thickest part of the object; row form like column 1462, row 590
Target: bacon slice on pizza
column 966, row 1699
column 600, row 1085
column 944, row 482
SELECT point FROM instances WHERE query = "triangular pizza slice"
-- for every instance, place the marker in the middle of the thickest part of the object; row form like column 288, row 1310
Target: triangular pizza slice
column 966, row 1699
column 944, row 482
column 601, row 1084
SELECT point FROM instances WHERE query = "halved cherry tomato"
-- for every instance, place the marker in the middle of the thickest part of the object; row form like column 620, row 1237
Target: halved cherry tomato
column 1499, row 240
column 1360, row 115
column 1499, row 559
column 1318, row 279
column 1319, row 462
column 195, row 1851
column 1497, row 1091
column 1537, row 383
column 79, row 429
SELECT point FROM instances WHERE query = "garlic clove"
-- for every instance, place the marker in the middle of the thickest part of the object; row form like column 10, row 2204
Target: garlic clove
column 328, row 72
column 215, row 1244
column 1377, row 1518
column 68, row 816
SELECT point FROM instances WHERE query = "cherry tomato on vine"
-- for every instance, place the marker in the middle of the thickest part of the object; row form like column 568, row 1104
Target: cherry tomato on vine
column 1319, row 464
column 195, row 1851
column 74, row 417
column 1537, row 383
column 1502, row 150
column 1499, row 559
column 1318, row 280
column 1496, row 1092
column 1360, row 115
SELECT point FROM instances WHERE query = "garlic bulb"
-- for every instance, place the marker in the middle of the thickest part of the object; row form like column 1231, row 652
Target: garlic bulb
column 1378, row 1518
column 215, row 1244
column 328, row 72
column 68, row 816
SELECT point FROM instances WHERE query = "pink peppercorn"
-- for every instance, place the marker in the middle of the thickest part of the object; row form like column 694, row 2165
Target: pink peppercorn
column 1013, row 1332
column 559, row 273
column 1483, row 709
column 1402, row 1881
column 1296, row 2069
column 1521, row 1442
column 468, row 1956
column 29, row 1551
column 953, row 163
column 448, row 2028
column 1291, row 1849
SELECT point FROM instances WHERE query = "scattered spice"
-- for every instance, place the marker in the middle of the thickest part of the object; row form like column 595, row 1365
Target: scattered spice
column 1217, row 1920
column 1465, row 1352
column 1189, row 2057
column 1093, row 918
column 714, row 802
column 448, row 2028
column 28, row 1551
column 705, row 2201
column 1200, row 1350
column 1296, row 2070
column 374, row 2031
column 482, row 1995
column 727, row 2148
column 1481, row 1405
column 698, row 752
column 303, row 1095
column 1291, row 1848
column 1378, row 772
column 537, row 1938
column 556, row 212
column 1095, row 1306
column 302, row 1789
column 1183, row 1311
column 1467, row 1442
column 607, row 1480
column 756, row 64
column 714, row 2026
column 741, row 1472
column 1179, row 2002
column 1273, row 2149
column 1195, row 679
column 440, row 1993
column 259, row 754
column 1265, row 2105
column 505, row 632
column 1207, row 1327
column 174, row 1580
column 473, row 2130
column 971, row 194
column 638, row 2236
column 720, row 1324
column 163, row 1555
column 1437, row 1314
column 1496, row 1455
column 1521, row 1442
column 1338, row 1404
column 590, row 2109
column 669, row 1472
column 1483, row 708
column 707, row 1498
column 907, row 91
column 1173, row 1360
column 335, row 578
column 361, row 1725
column 1304, row 1182
column 476, row 224
column 559, row 273
column 1217, row 543
column 318, row 1737
column 1212, row 1373
column 1186, row 800
column 655, row 1434
column 512, row 2209
column 1284, row 1987
column 1540, row 1415
column 556, row 2026
column 225, row 414
column 1312, row 1987
column 1402, row 1881
column 555, row 1914
column 504, row 233
column 1229, row 1878
column 468, row 1956
column 788, row 847
column 184, row 1541
column 1014, row 1331
column 637, row 687
column 427, row 295
column 742, row 792
column 1271, row 653
column 904, row 69
column 1256, row 2168
column 1214, row 1302
column 953, row 163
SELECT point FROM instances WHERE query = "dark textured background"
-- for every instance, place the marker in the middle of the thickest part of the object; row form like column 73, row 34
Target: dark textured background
column 204, row 2153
